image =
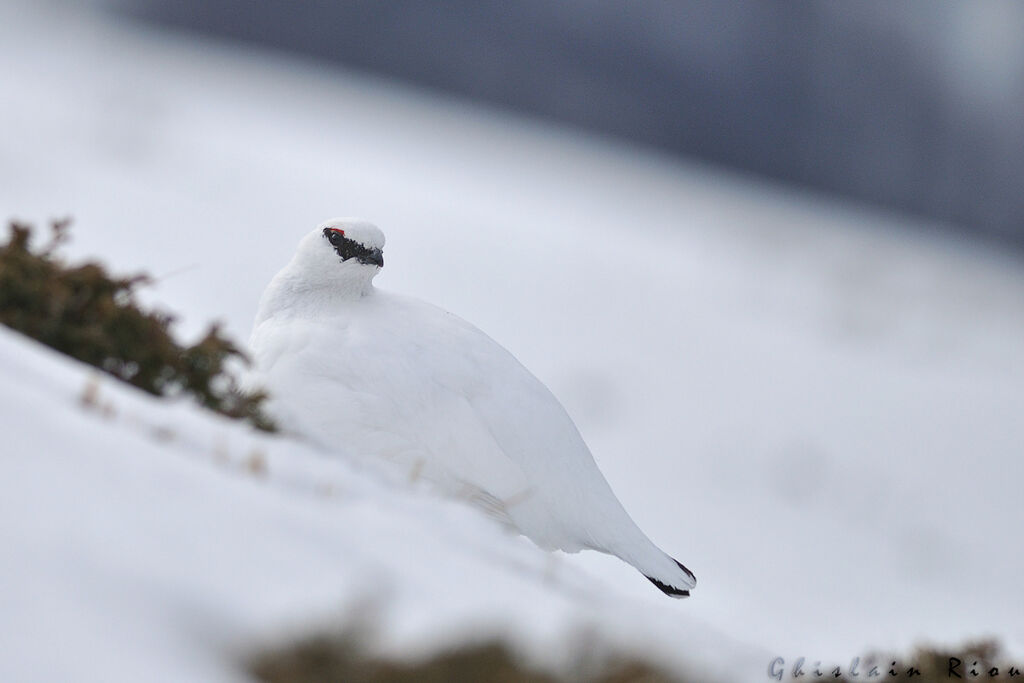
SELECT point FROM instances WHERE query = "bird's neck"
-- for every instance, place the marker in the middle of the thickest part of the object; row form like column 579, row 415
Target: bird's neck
column 296, row 297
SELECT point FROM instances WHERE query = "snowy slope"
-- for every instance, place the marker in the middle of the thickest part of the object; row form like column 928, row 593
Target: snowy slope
column 812, row 406
column 147, row 540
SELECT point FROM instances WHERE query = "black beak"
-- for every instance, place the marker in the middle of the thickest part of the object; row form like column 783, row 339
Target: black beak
column 374, row 256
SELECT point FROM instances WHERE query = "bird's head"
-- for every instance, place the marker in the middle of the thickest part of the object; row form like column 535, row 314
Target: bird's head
column 342, row 253
column 354, row 240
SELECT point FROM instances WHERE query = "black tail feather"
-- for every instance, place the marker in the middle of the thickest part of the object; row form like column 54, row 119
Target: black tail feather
column 672, row 591
column 688, row 572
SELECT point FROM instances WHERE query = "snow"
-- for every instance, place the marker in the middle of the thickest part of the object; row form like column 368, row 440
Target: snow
column 150, row 541
column 815, row 406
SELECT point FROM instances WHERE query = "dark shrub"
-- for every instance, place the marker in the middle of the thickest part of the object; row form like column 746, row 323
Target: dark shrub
column 90, row 315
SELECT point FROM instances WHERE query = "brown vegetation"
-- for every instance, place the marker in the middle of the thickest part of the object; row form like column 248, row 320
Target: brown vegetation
column 88, row 314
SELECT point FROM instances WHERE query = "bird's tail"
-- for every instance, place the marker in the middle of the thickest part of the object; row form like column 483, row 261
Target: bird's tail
column 669, row 575
column 632, row 546
column 676, row 582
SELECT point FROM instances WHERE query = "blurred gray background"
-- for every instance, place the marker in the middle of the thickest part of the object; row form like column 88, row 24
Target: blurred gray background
column 760, row 371
column 912, row 105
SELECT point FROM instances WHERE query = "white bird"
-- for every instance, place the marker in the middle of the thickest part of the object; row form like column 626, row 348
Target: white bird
column 394, row 379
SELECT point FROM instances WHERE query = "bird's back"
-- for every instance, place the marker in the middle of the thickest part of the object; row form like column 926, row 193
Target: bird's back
column 397, row 379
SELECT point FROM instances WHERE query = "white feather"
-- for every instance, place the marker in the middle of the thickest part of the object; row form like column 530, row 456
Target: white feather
column 396, row 380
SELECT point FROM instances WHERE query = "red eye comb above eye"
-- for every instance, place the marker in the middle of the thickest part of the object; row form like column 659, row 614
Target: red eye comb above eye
column 337, row 230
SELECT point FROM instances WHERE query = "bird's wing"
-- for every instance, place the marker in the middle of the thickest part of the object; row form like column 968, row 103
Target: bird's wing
column 390, row 391
column 559, row 492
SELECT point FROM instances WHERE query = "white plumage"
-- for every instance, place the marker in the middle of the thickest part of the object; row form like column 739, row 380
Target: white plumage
column 394, row 379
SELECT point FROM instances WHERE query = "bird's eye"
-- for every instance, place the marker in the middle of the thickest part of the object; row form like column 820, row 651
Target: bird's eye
column 335, row 236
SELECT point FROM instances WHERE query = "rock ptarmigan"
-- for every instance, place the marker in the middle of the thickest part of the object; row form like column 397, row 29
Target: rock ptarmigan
column 394, row 379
